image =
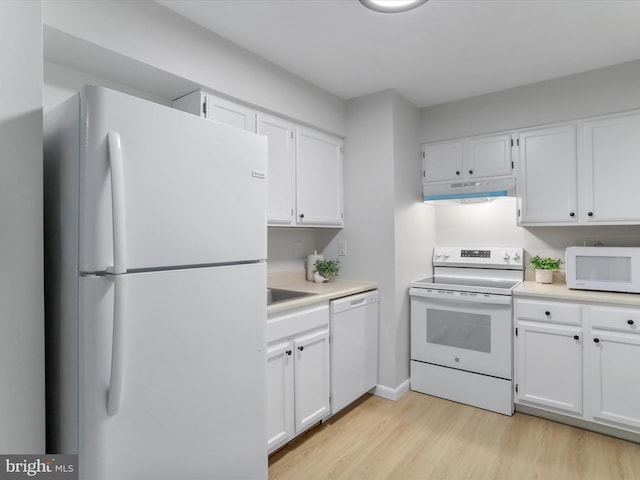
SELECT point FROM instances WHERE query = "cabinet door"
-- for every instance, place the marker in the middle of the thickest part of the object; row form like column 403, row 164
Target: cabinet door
column 442, row 161
column 218, row 109
column 615, row 378
column 488, row 156
column 230, row 113
column 318, row 179
column 549, row 366
column 612, row 169
column 281, row 169
column 311, row 379
column 280, row 426
column 547, row 185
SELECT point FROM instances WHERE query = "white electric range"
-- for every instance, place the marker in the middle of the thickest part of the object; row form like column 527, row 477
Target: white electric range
column 461, row 326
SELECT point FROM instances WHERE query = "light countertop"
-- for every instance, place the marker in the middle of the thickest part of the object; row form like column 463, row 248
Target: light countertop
column 323, row 291
column 561, row 292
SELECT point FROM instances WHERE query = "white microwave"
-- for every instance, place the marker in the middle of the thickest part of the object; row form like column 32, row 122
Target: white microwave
column 613, row 269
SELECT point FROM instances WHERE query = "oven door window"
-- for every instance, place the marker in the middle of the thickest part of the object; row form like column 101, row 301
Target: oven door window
column 464, row 330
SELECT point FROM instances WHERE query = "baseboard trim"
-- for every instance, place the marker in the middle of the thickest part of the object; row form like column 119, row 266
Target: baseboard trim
column 579, row 422
column 392, row 393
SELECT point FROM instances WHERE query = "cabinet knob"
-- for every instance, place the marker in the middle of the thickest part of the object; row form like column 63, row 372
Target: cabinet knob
column 630, row 322
column 597, row 340
column 547, row 313
column 301, row 348
column 457, row 172
column 470, row 172
column 289, row 352
column 301, row 216
column 576, row 337
column 590, row 214
column 572, row 214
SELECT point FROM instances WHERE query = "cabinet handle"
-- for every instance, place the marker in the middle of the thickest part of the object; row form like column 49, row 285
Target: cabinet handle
column 597, row 340
column 630, row 322
column 301, row 348
column 457, row 172
column 289, row 352
column 576, row 337
column 572, row 214
column 590, row 214
column 470, row 172
column 547, row 313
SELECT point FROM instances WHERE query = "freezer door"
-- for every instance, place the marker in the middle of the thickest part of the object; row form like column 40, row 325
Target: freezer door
column 180, row 190
column 192, row 348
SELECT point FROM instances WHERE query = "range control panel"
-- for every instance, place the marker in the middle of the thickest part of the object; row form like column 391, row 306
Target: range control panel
column 486, row 257
column 476, row 253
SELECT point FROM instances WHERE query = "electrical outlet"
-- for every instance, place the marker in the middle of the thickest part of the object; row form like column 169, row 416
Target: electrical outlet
column 297, row 248
column 342, row 249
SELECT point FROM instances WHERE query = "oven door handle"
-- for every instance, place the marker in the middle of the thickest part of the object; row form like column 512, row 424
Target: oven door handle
column 452, row 296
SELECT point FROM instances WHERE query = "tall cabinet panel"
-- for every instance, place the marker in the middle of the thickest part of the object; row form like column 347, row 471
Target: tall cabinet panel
column 318, row 179
column 281, row 169
column 218, row 109
column 612, row 169
column 547, row 185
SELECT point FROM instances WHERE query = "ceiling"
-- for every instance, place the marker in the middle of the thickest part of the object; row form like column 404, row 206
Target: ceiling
column 443, row 51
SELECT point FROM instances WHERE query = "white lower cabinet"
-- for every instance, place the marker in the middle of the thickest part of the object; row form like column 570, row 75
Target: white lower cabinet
column 298, row 362
column 579, row 360
column 614, row 351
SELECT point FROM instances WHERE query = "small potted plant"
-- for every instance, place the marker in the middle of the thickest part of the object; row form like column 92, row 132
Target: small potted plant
column 544, row 267
column 326, row 270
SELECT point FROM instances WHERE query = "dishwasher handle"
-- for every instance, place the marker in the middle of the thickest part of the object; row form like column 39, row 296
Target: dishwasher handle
column 354, row 301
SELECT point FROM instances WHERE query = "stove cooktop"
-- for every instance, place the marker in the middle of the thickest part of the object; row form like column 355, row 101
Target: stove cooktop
column 467, row 284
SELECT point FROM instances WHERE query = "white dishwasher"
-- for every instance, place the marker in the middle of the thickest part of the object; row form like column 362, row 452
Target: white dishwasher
column 354, row 348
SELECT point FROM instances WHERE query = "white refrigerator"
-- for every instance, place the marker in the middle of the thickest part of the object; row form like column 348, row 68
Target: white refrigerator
column 155, row 280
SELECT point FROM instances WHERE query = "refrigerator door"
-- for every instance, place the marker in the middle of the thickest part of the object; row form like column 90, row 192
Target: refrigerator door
column 192, row 348
column 171, row 188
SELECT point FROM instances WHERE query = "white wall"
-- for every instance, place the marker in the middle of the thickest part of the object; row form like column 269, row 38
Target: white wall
column 388, row 230
column 414, row 225
column 597, row 92
column 61, row 83
column 21, row 264
column 153, row 35
column 592, row 93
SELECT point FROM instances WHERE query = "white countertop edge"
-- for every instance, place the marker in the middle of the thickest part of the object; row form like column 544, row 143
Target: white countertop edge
column 323, row 292
column 560, row 291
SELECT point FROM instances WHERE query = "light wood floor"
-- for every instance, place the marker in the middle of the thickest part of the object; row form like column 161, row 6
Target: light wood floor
column 422, row 437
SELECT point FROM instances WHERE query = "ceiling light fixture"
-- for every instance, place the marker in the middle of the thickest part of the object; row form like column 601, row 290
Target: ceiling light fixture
column 392, row 6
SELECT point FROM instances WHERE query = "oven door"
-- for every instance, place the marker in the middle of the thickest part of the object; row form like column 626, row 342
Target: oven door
column 462, row 330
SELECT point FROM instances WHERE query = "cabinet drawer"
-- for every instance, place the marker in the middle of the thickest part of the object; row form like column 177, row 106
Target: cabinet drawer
column 619, row 319
column 546, row 311
column 296, row 321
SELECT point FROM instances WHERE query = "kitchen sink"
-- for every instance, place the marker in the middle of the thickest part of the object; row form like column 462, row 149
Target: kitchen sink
column 275, row 295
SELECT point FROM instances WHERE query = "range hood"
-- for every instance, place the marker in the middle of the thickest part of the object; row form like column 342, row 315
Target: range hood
column 472, row 191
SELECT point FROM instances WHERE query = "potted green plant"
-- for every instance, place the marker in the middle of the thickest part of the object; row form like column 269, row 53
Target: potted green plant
column 326, row 269
column 544, row 267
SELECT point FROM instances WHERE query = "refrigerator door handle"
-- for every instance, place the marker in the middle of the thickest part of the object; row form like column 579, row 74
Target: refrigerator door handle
column 114, row 394
column 116, row 166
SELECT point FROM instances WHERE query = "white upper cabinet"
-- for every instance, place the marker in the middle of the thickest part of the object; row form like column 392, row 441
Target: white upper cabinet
column 281, row 169
column 612, row 169
column 546, row 183
column 218, row 109
column 318, row 179
column 304, row 175
column 442, row 161
column 583, row 173
column 488, row 156
column 467, row 159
